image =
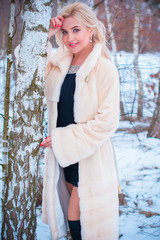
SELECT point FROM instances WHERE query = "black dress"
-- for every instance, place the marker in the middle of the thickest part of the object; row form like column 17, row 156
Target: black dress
column 66, row 117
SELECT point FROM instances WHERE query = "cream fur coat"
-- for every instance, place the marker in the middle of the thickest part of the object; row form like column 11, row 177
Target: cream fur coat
column 96, row 112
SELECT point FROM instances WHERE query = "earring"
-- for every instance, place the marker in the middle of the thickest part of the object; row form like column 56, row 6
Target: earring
column 90, row 40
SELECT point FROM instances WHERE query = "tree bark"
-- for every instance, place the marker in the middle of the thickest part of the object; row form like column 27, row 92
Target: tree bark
column 154, row 129
column 114, row 47
column 136, row 53
column 7, row 84
column 110, row 31
column 20, row 188
column 61, row 4
column 7, row 89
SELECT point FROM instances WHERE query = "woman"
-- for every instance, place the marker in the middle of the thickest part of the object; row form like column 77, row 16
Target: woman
column 82, row 93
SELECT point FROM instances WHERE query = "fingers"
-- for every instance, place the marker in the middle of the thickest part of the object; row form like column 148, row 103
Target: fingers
column 57, row 22
column 55, row 25
column 47, row 142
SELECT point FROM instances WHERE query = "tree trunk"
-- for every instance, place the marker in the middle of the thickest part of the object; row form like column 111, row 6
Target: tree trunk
column 7, row 90
column 114, row 46
column 61, row 4
column 19, row 203
column 136, row 53
column 3, row 38
column 110, row 31
column 154, row 129
column 7, row 84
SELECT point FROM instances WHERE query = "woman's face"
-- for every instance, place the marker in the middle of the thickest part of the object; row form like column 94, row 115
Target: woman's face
column 75, row 36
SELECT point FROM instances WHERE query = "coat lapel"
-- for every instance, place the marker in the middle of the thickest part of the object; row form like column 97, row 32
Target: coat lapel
column 61, row 61
column 90, row 62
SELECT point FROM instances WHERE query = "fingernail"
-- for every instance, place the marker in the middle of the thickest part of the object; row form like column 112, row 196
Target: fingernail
column 41, row 144
column 45, row 137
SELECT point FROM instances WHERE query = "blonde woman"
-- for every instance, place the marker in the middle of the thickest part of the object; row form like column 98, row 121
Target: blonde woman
column 82, row 92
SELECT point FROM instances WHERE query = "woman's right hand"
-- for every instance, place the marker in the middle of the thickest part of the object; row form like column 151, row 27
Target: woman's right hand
column 55, row 25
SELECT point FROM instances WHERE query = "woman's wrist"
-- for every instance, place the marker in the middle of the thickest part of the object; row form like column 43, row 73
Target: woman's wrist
column 55, row 26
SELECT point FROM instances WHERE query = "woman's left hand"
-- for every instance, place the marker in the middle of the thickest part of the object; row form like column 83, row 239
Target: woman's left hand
column 47, row 142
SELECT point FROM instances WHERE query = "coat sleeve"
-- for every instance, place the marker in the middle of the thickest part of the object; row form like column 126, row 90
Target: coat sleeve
column 78, row 141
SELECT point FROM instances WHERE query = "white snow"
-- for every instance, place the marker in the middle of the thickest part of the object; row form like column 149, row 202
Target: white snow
column 138, row 160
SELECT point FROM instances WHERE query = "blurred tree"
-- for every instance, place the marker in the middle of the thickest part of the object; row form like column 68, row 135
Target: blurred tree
column 61, row 4
column 136, row 54
column 154, row 6
column 20, row 183
column 154, row 129
column 112, row 39
column 110, row 31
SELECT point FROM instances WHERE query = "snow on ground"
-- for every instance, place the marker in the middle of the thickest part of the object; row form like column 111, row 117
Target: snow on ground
column 138, row 159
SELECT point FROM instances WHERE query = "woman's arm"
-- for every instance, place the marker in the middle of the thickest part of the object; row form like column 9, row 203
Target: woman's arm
column 55, row 26
column 78, row 141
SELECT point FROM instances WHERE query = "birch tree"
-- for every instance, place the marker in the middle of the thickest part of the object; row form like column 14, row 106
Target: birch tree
column 61, row 4
column 136, row 53
column 110, row 31
column 113, row 44
column 19, row 202
column 2, row 38
column 7, row 84
column 7, row 88
column 154, row 129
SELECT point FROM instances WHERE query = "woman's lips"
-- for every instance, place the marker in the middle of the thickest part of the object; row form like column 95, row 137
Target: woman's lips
column 72, row 45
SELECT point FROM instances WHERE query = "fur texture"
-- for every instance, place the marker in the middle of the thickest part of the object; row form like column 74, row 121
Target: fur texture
column 96, row 112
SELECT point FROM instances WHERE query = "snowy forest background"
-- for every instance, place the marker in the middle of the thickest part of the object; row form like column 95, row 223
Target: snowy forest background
column 133, row 33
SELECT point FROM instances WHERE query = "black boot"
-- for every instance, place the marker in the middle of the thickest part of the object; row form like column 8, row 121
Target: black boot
column 75, row 229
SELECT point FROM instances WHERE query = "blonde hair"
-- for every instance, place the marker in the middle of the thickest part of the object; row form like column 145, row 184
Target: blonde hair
column 87, row 18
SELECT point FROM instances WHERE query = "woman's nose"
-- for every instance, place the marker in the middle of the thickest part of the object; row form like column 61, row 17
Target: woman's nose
column 70, row 37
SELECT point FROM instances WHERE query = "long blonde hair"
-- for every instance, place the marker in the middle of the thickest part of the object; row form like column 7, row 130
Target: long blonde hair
column 86, row 17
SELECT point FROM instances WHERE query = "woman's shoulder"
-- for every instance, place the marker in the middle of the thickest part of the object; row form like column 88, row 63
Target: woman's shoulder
column 106, row 69
column 105, row 64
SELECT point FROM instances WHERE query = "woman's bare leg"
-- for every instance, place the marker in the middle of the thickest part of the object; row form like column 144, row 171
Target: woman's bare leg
column 69, row 187
column 74, row 212
column 73, row 209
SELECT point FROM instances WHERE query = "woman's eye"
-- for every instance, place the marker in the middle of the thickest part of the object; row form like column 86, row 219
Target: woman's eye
column 64, row 32
column 76, row 30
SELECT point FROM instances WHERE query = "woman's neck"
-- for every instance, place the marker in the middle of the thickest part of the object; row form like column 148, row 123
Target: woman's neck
column 80, row 57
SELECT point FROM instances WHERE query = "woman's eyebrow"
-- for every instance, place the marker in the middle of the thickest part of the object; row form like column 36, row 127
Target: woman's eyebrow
column 71, row 28
column 74, row 27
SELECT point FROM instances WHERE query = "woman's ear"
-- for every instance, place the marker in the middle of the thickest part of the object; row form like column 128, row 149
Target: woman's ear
column 91, row 30
column 91, row 33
